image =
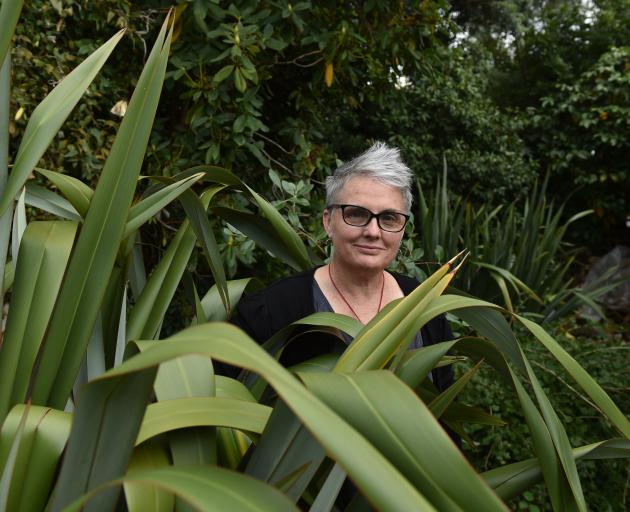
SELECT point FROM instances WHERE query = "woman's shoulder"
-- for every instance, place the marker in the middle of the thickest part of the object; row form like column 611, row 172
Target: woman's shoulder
column 296, row 283
column 265, row 311
column 407, row 284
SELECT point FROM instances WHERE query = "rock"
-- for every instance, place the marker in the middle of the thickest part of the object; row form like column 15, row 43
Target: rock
column 612, row 268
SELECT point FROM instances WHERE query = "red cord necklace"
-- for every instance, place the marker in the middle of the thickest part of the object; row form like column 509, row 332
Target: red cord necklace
column 380, row 302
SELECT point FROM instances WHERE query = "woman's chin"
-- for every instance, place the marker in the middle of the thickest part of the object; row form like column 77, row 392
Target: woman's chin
column 368, row 262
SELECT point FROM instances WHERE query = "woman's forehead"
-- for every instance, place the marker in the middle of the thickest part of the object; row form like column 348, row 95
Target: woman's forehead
column 371, row 193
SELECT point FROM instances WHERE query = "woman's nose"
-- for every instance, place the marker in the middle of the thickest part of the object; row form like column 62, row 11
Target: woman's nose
column 372, row 227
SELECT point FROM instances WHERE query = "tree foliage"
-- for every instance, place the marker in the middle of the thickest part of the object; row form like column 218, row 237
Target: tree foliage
column 446, row 116
column 51, row 39
column 562, row 68
column 261, row 85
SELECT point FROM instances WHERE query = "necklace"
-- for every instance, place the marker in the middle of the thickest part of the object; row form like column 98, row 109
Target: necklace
column 380, row 301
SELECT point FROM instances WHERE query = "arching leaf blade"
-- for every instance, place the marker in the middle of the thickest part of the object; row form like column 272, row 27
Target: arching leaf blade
column 97, row 245
column 44, row 253
column 373, row 474
column 511, row 480
column 74, row 190
column 44, row 435
column 9, row 16
column 202, row 411
column 207, row 489
column 149, row 206
column 50, row 114
column 413, row 441
column 48, row 201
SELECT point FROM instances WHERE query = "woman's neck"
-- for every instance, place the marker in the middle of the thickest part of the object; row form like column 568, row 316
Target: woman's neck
column 356, row 282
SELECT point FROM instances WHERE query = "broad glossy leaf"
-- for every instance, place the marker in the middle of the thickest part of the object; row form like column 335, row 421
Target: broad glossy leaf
column 41, row 265
column 261, row 231
column 196, row 211
column 42, row 439
column 511, row 480
column 581, row 376
column 104, row 429
column 179, row 413
column 232, row 388
column 44, row 199
column 344, row 323
column 442, row 401
column 376, row 344
column 142, row 498
column 207, row 489
column 9, row 15
column 413, row 441
column 148, row 312
column 373, row 474
column 484, row 317
column 75, row 191
column 323, row 363
column 149, row 206
column 416, row 364
column 50, row 114
column 287, row 335
column 232, row 445
column 211, row 301
column 287, row 455
column 97, row 245
column 187, row 377
column 340, row 322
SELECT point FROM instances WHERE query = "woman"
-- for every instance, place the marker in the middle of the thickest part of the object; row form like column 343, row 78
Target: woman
column 368, row 204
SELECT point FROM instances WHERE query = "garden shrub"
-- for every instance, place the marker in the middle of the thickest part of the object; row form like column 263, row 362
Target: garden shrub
column 604, row 351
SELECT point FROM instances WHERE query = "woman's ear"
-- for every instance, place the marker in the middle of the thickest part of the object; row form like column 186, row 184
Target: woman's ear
column 326, row 221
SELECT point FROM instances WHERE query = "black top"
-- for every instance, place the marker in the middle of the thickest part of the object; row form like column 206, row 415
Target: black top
column 265, row 312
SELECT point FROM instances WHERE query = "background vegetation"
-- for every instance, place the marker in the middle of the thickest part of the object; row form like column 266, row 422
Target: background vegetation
column 507, row 95
column 507, row 91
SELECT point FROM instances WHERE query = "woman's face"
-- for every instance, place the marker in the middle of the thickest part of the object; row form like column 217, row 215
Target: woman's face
column 366, row 247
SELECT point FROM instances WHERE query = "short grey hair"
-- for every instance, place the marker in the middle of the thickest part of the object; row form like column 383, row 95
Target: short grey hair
column 381, row 163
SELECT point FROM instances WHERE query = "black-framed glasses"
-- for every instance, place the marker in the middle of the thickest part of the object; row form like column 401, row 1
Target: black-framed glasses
column 388, row 220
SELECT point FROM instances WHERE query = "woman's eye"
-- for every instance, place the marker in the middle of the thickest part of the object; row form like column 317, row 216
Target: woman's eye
column 389, row 218
column 356, row 213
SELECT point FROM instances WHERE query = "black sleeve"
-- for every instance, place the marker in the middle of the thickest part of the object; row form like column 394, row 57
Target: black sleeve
column 266, row 311
column 252, row 315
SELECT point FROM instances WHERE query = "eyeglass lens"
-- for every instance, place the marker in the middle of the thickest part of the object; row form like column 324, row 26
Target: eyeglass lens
column 359, row 216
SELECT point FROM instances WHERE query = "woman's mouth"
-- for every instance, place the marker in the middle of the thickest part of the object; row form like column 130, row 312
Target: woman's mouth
column 368, row 248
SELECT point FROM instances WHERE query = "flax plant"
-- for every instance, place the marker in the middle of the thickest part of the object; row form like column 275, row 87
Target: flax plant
column 92, row 401
column 517, row 252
